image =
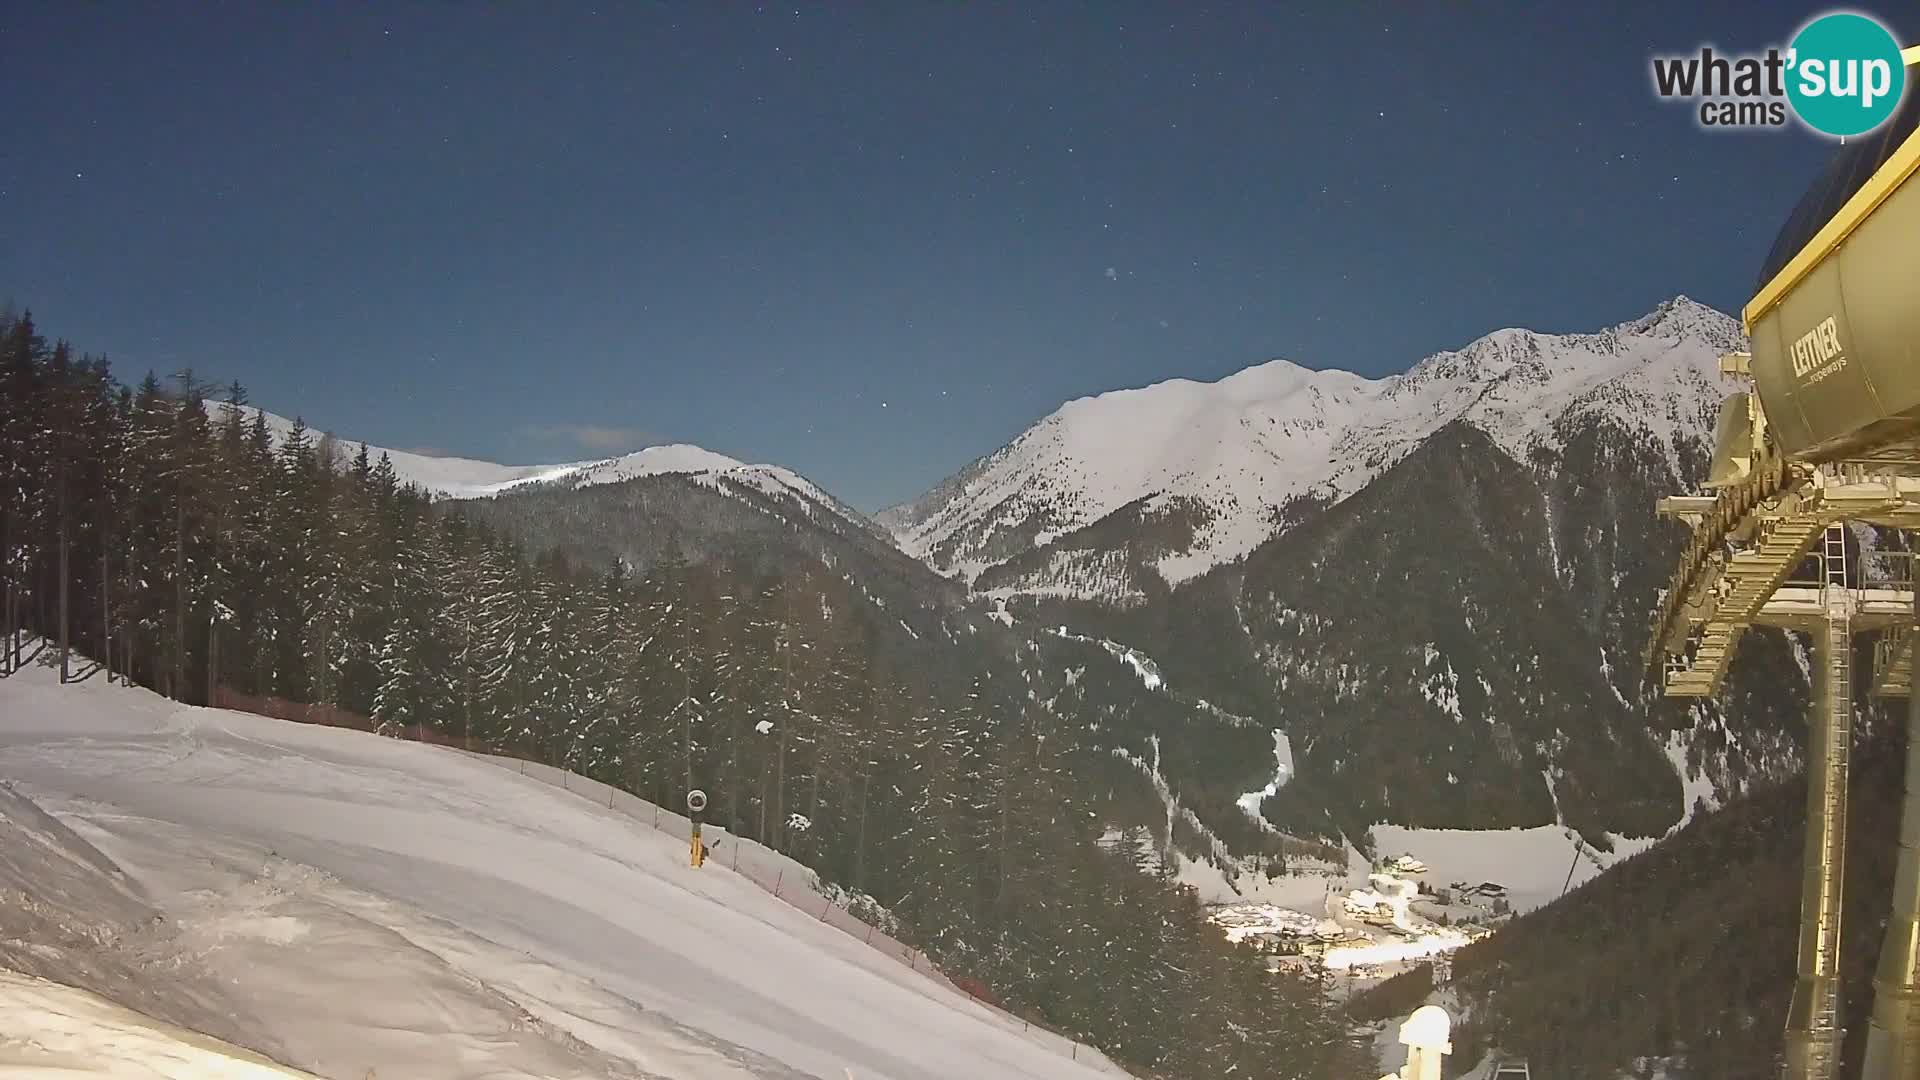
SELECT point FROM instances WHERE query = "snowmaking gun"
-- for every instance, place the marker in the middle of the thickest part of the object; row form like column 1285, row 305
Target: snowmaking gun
column 697, row 848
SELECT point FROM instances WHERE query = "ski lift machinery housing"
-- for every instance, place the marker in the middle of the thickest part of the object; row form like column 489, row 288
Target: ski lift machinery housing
column 1835, row 325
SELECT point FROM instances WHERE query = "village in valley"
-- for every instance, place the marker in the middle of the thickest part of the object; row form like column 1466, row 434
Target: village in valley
column 1372, row 930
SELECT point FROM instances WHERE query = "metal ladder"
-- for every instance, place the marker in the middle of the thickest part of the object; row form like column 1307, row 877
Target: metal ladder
column 1833, row 556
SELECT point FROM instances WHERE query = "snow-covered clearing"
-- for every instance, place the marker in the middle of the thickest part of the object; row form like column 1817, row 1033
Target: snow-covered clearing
column 1696, row 787
column 1382, row 951
column 1531, row 863
column 1282, row 772
column 355, row 906
column 1301, row 888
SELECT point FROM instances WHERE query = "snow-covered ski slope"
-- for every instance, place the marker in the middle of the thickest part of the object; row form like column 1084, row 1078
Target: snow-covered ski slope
column 357, row 906
column 51, row 1030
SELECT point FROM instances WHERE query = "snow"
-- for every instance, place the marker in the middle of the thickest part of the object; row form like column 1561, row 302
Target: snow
column 1244, row 446
column 1696, row 786
column 1282, row 772
column 1302, row 890
column 1079, row 574
column 356, row 906
column 1210, row 877
column 1363, row 947
column 1243, row 921
column 60, row 1031
column 1442, row 689
column 1435, row 942
column 466, row 478
column 1142, row 664
column 1606, row 673
column 1531, row 863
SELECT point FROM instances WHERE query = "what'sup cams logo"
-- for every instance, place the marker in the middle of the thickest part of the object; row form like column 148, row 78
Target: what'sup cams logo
column 1841, row 75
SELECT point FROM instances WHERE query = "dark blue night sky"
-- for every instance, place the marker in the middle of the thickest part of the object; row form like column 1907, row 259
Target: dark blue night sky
column 869, row 242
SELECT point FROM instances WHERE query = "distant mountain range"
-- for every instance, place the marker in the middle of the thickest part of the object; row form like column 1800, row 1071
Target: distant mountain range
column 1434, row 584
column 467, row 478
column 1203, row 473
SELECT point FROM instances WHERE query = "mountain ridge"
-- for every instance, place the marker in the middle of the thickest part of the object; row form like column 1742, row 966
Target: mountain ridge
column 1578, row 433
column 462, row 478
column 1285, row 432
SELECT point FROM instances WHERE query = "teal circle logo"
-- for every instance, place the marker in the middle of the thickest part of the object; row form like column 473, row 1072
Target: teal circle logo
column 1844, row 75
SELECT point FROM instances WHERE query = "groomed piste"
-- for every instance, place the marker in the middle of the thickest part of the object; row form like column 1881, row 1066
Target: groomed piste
column 355, row 906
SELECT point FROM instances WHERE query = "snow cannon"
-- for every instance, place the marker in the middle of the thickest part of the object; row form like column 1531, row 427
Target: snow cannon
column 1835, row 323
column 696, row 805
column 1427, row 1036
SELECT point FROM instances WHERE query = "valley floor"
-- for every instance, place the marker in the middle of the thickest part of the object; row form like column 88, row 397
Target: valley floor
column 363, row 907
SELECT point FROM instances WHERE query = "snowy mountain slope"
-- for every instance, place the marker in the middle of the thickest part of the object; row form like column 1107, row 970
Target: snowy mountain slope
column 466, row 478
column 1381, row 633
column 1234, row 454
column 386, row 908
column 57, row 1030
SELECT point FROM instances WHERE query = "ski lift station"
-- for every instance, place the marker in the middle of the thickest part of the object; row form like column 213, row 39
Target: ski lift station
column 1828, row 435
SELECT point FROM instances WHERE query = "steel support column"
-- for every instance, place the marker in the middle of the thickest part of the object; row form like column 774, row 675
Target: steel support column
column 1893, row 1039
column 1813, row 1022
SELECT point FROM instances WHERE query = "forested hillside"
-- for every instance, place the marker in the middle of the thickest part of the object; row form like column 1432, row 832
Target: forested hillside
column 1717, row 908
column 909, row 619
column 652, row 521
column 191, row 551
column 1457, row 646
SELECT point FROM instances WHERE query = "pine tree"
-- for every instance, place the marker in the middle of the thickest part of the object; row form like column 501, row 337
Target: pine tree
column 407, row 692
column 255, row 559
column 22, row 491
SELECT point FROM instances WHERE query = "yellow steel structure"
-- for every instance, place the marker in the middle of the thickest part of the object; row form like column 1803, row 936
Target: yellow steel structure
column 1857, row 210
column 1830, row 434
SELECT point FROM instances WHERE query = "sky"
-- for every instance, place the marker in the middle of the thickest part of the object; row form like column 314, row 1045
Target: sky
column 868, row 242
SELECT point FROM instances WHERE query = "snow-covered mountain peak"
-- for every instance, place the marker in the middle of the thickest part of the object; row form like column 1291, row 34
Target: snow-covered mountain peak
column 1684, row 318
column 465, row 478
column 1277, row 378
column 1489, row 357
column 652, row 461
column 1231, row 455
